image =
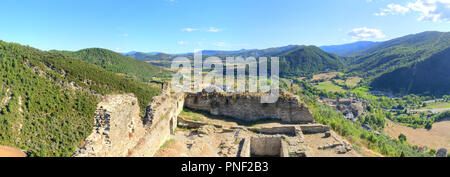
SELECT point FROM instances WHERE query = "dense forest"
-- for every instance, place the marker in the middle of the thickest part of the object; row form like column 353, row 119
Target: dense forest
column 308, row 60
column 118, row 63
column 388, row 56
column 429, row 77
column 48, row 99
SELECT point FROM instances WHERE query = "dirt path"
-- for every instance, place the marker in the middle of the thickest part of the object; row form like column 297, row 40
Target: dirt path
column 433, row 110
column 10, row 152
column 437, row 137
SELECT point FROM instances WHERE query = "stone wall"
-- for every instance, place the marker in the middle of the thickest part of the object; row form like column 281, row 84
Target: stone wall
column 117, row 128
column 247, row 106
column 161, row 121
column 314, row 128
column 261, row 145
column 120, row 132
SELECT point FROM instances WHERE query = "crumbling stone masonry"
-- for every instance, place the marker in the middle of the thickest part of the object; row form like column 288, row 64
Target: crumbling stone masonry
column 120, row 132
column 248, row 106
column 117, row 128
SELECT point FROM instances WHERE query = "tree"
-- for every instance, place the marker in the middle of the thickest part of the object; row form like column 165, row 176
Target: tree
column 402, row 137
column 429, row 125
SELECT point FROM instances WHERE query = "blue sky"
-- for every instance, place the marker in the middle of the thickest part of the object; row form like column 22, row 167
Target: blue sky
column 178, row 26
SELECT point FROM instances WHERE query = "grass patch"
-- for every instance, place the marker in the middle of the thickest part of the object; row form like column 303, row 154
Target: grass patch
column 191, row 115
column 438, row 106
column 167, row 143
column 329, row 87
column 352, row 81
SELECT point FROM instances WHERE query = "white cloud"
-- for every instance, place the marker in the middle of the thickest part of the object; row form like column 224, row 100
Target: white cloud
column 124, row 35
column 429, row 10
column 393, row 9
column 182, row 42
column 189, row 29
column 220, row 44
column 213, row 29
column 432, row 10
column 366, row 33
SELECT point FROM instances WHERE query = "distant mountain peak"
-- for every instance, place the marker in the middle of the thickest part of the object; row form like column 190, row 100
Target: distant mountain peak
column 348, row 49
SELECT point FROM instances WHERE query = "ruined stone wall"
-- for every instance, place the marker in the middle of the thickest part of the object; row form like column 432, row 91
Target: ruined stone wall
column 264, row 146
column 161, row 122
column 120, row 132
column 248, row 106
column 117, row 128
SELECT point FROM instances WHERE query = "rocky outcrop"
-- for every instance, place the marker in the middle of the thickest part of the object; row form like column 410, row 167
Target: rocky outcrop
column 248, row 106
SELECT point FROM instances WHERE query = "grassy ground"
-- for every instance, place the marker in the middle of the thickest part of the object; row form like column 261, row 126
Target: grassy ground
column 202, row 116
column 330, row 87
column 437, row 106
column 325, row 76
column 353, row 81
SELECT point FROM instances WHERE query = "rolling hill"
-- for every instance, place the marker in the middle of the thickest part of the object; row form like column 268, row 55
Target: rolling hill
column 429, row 77
column 390, row 55
column 47, row 99
column 308, row 60
column 409, row 64
column 118, row 63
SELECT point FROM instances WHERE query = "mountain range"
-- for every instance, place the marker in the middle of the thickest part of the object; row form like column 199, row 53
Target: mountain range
column 371, row 60
column 47, row 98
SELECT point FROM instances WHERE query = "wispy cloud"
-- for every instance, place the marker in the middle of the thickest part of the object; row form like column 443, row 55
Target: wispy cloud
column 221, row 44
column 210, row 29
column 429, row 10
column 432, row 10
column 366, row 33
column 189, row 29
column 124, row 35
column 214, row 29
column 182, row 42
column 393, row 9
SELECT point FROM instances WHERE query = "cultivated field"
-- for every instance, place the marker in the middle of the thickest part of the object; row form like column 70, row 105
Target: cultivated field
column 352, row 81
column 437, row 137
column 325, row 76
column 329, row 86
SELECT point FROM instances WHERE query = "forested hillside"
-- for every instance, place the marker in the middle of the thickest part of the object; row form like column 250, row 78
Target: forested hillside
column 404, row 51
column 47, row 99
column 405, row 65
column 430, row 77
column 308, row 60
column 118, row 63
